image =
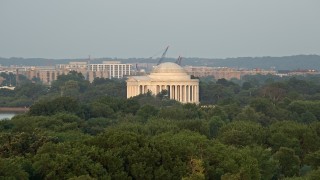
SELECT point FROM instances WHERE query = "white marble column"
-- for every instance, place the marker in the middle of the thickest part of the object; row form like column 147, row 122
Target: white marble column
column 180, row 93
column 197, row 94
column 193, row 93
column 128, row 91
column 185, row 93
column 175, row 92
column 132, row 91
column 135, row 90
column 190, row 95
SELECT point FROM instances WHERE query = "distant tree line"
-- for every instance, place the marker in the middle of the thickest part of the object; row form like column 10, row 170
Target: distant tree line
column 267, row 62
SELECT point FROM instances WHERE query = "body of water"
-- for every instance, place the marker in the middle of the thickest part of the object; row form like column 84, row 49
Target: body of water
column 6, row 115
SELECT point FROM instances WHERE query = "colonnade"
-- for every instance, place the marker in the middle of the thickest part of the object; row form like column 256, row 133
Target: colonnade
column 182, row 93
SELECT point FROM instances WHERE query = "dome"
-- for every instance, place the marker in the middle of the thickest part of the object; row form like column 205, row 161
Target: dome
column 169, row 67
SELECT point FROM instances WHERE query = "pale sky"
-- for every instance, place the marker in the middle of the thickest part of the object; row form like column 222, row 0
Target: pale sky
column 141, row 28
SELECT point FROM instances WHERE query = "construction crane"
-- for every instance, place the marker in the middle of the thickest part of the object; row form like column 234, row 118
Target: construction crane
column 163, row 56
column 178, row 61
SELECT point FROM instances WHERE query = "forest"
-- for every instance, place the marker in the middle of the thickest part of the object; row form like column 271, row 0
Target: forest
column 259, row 127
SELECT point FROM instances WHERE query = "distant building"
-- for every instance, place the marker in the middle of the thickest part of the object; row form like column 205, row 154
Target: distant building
column 298, row 72
column 45, row 74
column 115, row 69
column 80, row 67
column 73, row 65
column 97, row 74
column 224, row 72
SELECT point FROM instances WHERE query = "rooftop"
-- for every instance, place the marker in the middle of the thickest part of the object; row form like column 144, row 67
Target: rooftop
column 168, row 67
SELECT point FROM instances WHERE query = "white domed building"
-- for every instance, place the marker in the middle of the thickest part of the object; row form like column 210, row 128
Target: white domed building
column 166, row 76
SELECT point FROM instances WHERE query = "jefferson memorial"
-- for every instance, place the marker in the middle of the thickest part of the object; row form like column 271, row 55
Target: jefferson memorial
column 166, row 76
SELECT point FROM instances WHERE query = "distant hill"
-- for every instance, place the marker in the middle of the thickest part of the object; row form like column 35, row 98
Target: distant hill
column 33, row 61
column 279, row 63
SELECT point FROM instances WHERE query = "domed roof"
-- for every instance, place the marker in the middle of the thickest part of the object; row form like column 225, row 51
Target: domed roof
column 168, row 67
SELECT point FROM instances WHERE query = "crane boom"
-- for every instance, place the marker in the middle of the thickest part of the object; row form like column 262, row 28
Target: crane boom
column 163, row 55
column 178, row 61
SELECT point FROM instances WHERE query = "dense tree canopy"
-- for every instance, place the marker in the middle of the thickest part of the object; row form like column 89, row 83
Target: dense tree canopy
column 261, row 127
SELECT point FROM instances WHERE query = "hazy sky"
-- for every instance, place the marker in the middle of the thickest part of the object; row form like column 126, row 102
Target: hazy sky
column 141, row 28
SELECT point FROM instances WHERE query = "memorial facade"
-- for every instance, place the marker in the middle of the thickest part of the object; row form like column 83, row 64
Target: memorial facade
column 166, row 76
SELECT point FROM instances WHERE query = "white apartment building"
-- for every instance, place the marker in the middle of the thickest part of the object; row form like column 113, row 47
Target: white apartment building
column 114, row 68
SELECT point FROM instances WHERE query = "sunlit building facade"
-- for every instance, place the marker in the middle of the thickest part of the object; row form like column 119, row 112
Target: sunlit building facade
column 166, row 76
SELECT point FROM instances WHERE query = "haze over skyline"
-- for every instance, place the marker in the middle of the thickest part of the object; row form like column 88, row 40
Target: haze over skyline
column 141, row 28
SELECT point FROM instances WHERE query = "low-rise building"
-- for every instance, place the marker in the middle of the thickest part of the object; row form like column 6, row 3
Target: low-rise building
column 224, row 72
column 298, row 72
column 115, row 69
